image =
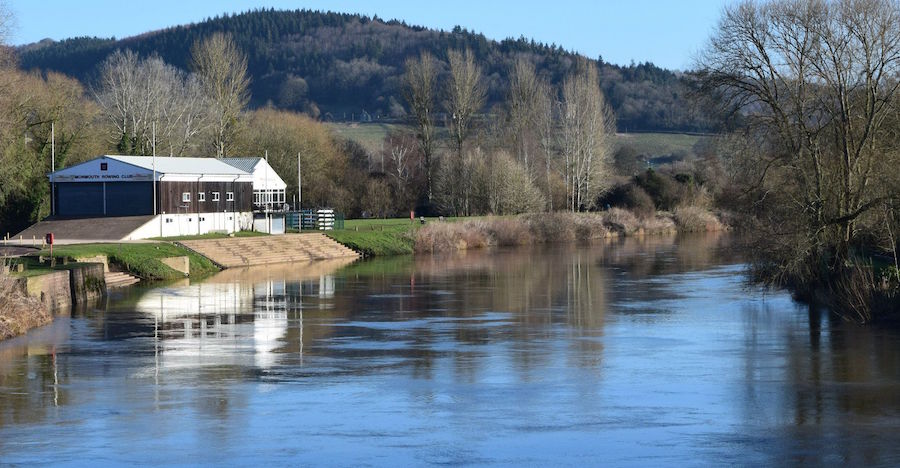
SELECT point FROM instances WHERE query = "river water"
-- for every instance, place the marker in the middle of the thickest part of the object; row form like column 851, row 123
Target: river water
column 637, row 352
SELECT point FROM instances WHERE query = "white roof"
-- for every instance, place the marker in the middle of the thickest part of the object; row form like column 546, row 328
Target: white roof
column 264, row 177
column 179, row 165
column 140, row 168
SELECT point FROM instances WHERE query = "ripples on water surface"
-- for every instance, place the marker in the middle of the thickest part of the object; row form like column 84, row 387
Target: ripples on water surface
column 634, row 353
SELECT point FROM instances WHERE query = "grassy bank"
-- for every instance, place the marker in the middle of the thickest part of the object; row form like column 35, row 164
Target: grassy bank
column 379, row 237
column 18, row 311
column 139, row 259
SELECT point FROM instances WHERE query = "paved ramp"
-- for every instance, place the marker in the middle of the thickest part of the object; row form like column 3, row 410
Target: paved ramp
column 83, row 229
column 264, row 250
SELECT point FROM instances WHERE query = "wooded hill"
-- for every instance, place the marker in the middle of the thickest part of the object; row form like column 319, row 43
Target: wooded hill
column 345, row 67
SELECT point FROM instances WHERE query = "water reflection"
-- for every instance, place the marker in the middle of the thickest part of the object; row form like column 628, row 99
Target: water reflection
column 632, row 351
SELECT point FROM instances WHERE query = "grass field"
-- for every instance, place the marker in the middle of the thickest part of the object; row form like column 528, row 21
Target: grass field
column 371, row 136
column 378, row 237
column 659, row 144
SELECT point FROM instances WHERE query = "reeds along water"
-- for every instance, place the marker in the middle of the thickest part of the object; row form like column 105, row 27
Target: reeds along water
column 560, row 227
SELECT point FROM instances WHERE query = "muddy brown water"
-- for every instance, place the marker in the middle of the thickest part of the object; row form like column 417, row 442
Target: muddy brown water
column 636, row 352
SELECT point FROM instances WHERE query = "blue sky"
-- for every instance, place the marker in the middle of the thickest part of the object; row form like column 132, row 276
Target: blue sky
column 667, row 33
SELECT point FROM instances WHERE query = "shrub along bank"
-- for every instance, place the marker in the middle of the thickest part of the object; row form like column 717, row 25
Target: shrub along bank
column 395, row 237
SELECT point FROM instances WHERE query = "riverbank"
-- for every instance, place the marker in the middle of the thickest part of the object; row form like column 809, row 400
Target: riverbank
column 144, row 260
column 19, row 312
column 380, row 237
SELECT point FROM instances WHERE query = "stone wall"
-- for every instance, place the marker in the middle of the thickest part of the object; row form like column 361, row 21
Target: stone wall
column 87, row 282
column 181, row 264
column 53, row 289
column 59, row 289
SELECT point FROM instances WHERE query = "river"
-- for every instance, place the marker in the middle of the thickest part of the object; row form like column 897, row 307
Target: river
column 631, row 353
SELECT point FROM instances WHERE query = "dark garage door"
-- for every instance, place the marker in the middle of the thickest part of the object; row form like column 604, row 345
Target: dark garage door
column 79, row 199
column 129, row 198
column 85, row 199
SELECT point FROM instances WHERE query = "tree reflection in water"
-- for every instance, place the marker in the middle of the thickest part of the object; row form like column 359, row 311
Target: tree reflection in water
column 619, row 348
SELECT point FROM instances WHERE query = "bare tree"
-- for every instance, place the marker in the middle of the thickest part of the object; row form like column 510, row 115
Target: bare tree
column 464, row 98
column 419, row 88
column 587, row 128
column 222, row 71
column 465, row 95
column 523, row 104
column 404, row 165
column 6, row 26
column 136, row 95
column 817, row 83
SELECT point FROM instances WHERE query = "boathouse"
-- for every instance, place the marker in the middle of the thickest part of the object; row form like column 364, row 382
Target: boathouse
column 183, row 196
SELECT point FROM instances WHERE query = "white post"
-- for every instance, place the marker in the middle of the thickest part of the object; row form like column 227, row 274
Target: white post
column 266, row 188
column 154, row 173
column 299, row 186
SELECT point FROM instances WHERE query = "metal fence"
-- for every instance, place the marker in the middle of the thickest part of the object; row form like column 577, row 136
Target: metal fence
column 323, row 219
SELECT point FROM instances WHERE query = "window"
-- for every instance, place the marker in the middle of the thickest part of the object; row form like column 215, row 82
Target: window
column 201, row 196
column 215, row 196
column 104, row 166
column 168, row 220
column 229, row 196
column 186, row 197
column 202, row 219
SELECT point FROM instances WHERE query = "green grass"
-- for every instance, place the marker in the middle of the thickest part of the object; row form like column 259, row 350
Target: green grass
column 139, row 259
column 659, row 144
column 369, row 135
column 377, row 239
column 381, row 237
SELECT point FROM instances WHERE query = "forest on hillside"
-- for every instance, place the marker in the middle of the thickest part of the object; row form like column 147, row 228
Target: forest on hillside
column 348, row 67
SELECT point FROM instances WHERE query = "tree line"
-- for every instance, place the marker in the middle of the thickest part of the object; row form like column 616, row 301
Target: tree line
column 342, row 67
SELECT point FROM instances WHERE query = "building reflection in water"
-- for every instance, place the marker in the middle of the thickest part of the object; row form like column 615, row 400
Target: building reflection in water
column 237, row 318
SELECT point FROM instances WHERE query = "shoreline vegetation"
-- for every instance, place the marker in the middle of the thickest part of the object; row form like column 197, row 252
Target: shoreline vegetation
column 384, row 237
column 19, row 312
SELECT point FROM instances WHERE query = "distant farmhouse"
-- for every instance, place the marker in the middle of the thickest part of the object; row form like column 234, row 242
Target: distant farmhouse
column 178, row 196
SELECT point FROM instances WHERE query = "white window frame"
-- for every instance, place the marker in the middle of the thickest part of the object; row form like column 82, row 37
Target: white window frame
column 185, row 197
column 215, row 196
column 229, row 196
column 201, row 196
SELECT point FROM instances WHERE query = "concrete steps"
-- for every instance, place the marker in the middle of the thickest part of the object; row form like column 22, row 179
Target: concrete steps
column 118, row 279
column 247, row 251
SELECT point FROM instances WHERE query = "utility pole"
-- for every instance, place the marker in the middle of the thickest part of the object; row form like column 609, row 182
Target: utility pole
column 299, row 185
column 52, row 168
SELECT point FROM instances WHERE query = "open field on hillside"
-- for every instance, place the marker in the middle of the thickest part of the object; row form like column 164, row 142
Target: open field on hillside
column 371, row 136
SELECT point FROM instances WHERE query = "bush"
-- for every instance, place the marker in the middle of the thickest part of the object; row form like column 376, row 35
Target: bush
column 590, row 226
column 509, row 232
column 664, row 191
column 631, row 197
column 622, row 221
column 448, row 237
column 696, row 219
column 551, row 227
